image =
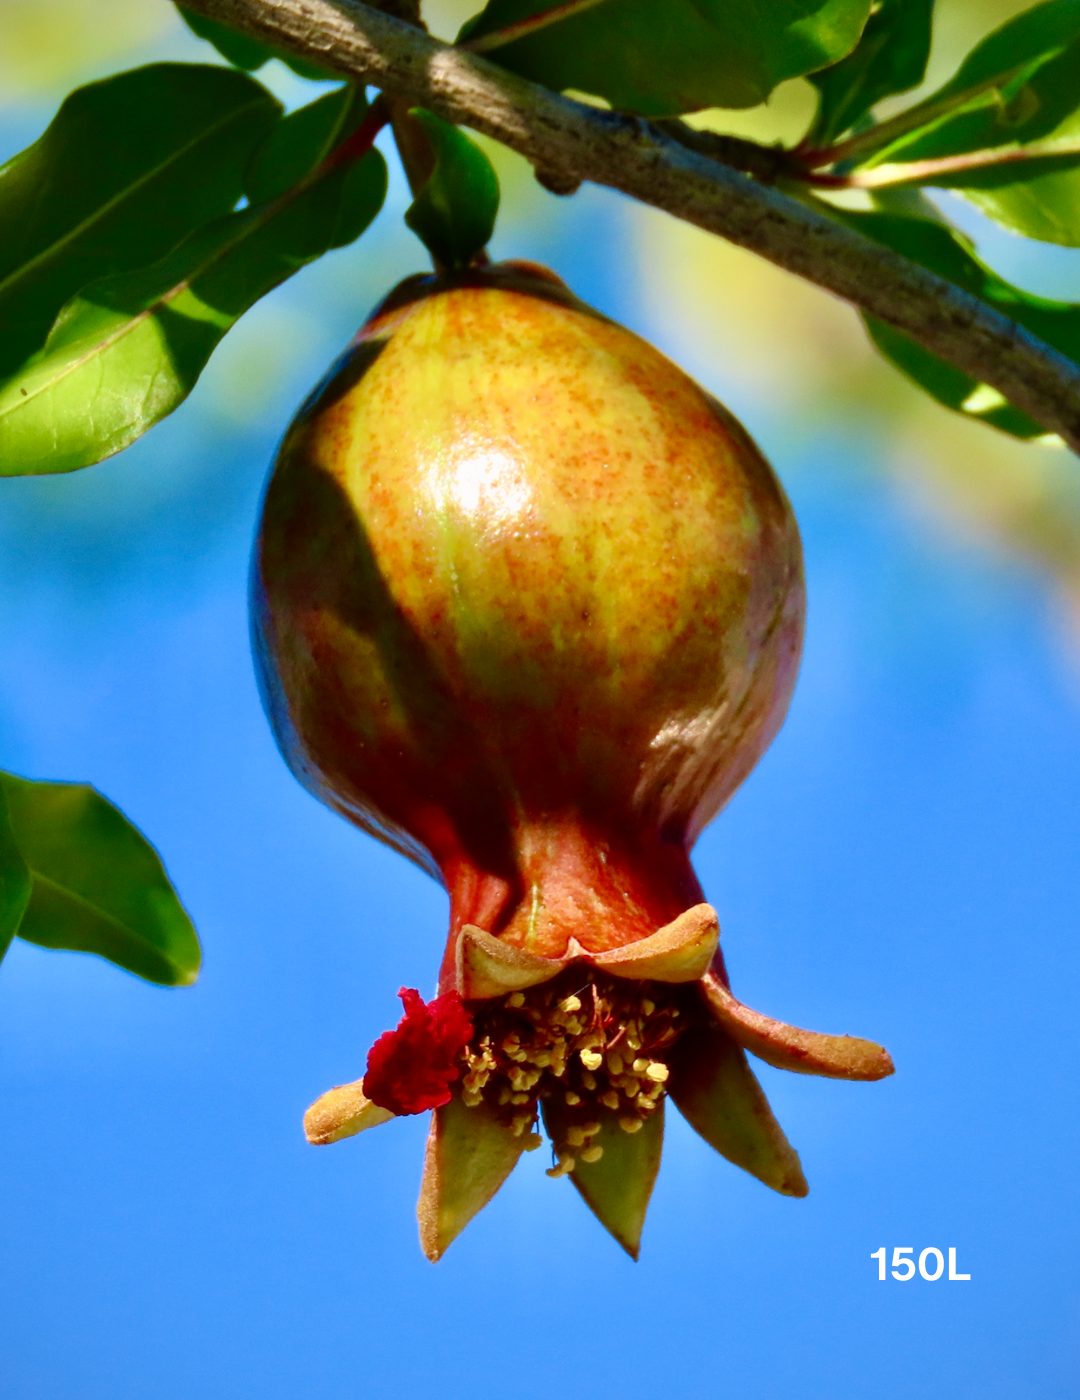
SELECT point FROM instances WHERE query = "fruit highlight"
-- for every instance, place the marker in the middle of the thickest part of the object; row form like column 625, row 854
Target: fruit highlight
column 528, row 607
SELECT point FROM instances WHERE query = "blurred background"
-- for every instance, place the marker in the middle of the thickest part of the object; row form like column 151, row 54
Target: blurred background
column 902, row 865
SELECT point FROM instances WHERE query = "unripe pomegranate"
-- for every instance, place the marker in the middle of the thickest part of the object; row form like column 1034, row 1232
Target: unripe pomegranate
column 528, row 606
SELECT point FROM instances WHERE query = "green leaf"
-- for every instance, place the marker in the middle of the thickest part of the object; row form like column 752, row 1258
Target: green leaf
column 98, row 886
column 1037, row 194
column 942, row 250
column 14, row 881
column 662, row 59
column 126, row 351
column 240, row 49
column 1029, row 128
column 949, row 385
column 1046, row 207
column 244, row 52
column 1015, row 50
column 454, row 214
column 889, row 58
column 127, row 168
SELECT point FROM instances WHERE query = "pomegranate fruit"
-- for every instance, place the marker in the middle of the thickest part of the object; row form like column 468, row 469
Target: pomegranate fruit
column 528, row 606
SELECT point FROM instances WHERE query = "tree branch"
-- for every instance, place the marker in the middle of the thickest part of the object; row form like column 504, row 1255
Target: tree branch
column 571, row 141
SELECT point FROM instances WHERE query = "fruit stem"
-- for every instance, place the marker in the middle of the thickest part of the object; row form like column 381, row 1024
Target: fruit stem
column 418, row 160
column 414, row 148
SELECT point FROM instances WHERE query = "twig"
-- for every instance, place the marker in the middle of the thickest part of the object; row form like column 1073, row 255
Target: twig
column 767, row 163
column 625, row 153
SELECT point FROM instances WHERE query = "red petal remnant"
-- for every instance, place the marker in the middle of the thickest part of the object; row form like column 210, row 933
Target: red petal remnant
column 410, row 1069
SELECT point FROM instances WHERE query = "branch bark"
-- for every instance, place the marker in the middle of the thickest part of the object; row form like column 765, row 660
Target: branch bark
column 570, row 141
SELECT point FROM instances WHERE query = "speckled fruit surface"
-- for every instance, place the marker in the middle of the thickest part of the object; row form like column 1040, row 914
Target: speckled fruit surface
column 528, row 605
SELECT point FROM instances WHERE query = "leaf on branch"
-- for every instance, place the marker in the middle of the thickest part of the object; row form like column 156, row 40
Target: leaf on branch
column 14, row 881
column 1005, row 131
column 97, row 885
column 663, row 59
column 889, row 58
column 941, row 249
column 128, row 167
column 1014, row 51
column 454, row 214
column 127, row 350
column 249, row 54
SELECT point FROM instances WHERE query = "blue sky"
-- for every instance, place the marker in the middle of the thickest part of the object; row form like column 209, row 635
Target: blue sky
column 902, row 866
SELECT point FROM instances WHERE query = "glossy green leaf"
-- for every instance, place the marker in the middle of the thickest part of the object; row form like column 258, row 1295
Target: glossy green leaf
column 14, row 880
column 890, row 57
column 944, row 251
column 454, row 214
column 300, row 142
column 662, row 59
column 128, row 167
column 1044, row 206
column 1030, row 131
column 1014, row 51
column 126, row 351
column 949, row 385
column 98, row 886
column 242, row 51
column 1000, row 94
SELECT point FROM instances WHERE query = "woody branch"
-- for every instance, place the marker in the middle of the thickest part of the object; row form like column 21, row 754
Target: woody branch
column 567, row 141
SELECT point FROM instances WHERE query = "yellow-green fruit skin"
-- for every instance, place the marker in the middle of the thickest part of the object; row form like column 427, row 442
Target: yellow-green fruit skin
column 528, row 604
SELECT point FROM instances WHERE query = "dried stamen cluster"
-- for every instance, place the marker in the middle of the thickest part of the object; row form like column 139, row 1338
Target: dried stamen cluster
column 597, row 1043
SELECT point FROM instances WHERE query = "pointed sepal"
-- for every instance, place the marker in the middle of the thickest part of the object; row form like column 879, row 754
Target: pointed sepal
column 618, row 1184
column 342, row 1112
column 470, row 1153
column 488, row 967
column 788, row 1047
column 716, row 1091
column 679, row 952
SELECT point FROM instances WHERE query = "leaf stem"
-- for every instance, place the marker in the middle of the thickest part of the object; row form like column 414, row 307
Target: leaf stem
column 356, row 146
column 923, row 171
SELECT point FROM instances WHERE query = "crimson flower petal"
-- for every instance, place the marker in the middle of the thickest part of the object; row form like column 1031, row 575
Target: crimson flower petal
column 410, row 1069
